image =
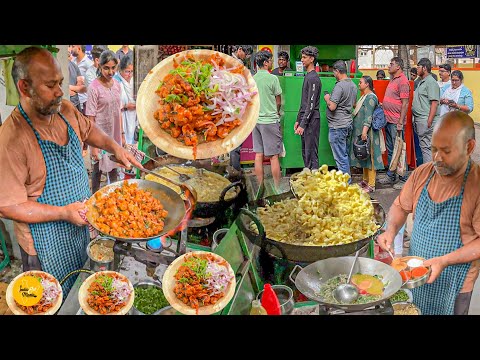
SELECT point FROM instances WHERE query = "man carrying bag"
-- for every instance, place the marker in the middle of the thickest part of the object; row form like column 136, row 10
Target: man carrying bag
column 398, row 162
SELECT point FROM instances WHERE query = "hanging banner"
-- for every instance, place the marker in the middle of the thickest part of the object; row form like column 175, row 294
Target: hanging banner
column 461, row 51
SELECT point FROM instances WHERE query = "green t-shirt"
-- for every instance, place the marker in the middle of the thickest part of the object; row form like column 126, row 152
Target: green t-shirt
column 426, row 91
column 268, row 88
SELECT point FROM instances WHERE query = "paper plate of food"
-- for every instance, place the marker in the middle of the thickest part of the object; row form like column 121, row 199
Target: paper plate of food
column 198, row 104
column 106, row 293
column 199, row 283
column 34, row 292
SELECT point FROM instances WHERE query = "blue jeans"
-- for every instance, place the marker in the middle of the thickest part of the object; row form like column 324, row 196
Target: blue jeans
column 418, row 150
column 338, row 139
column 391, row 135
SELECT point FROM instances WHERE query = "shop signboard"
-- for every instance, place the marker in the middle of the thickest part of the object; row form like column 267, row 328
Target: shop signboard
column 462, row 51
column 268, row 48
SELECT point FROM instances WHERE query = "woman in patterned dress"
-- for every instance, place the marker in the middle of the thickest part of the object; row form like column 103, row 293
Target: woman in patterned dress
column 104, row 108
column 362, row 122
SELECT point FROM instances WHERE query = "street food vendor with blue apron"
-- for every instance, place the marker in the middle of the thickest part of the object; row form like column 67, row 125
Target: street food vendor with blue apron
column 444, row 197
column 43, row 180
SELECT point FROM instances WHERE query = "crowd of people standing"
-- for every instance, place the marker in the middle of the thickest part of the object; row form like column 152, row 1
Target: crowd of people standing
column 107, row 82
column 350, row 118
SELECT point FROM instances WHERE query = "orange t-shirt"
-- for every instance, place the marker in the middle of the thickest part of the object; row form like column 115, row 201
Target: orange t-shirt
column 441, row 189
column 22, row 163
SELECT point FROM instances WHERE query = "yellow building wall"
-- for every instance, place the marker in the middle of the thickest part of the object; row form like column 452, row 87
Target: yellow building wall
column 114, row 48
column 471, row 79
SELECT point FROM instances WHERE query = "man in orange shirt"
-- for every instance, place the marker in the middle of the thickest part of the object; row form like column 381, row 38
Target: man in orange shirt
column 444, row 197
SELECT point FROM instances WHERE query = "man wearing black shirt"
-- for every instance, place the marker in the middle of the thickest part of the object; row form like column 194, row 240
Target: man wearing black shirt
column 282, row 63
column 308, row 119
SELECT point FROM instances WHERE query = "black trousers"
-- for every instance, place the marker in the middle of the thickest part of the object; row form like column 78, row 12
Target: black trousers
column 235, row 158
column 462, row 303
column 310, row 144
column 97, row 174
column 29, row 262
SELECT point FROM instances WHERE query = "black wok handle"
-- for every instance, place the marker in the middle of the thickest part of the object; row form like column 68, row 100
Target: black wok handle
column 238, row 184
column 258, row 239
column 292, row 275
column 261, row 239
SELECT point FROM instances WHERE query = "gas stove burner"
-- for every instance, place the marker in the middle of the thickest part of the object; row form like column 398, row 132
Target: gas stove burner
column 155, row 245
column 151, row 258
column 384, row 308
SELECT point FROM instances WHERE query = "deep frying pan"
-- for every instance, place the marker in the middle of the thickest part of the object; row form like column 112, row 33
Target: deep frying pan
column 172, row 202
column 213, row 208
column 299, row 253
column 311, row 278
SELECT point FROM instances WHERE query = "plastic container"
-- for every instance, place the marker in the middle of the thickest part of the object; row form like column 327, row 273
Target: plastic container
column 257, row 308
column 284, row 295
column 270, row 300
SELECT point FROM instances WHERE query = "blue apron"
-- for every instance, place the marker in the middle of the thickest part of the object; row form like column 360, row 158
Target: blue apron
column 60, row 245
column 436, row 232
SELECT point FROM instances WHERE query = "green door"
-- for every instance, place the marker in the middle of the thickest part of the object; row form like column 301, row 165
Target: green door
column 291, row 98
column 292, row 142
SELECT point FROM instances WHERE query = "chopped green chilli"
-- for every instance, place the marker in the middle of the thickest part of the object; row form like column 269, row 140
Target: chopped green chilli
column 399, row 296
column 149, row 299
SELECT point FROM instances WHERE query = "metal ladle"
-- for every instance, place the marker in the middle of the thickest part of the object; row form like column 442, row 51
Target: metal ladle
column 182, row 186
column 182, row 177
column 347, row 293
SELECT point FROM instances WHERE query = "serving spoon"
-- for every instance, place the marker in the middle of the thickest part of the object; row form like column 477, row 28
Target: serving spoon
column 347, row 293
column 182, row 177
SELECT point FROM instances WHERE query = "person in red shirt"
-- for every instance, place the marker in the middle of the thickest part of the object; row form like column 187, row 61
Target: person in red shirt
column 395, row 106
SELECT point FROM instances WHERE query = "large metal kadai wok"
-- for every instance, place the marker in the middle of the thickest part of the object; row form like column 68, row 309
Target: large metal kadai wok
column 213, row 208
column 311, row 278
column 202, row 209
column 299, row 253
column 172, row 202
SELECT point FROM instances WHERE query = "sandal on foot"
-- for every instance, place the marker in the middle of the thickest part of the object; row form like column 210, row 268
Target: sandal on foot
column 369, row 189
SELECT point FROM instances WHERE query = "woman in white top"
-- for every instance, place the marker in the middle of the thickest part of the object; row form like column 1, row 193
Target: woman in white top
column 129, row 113
column 456, row 96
